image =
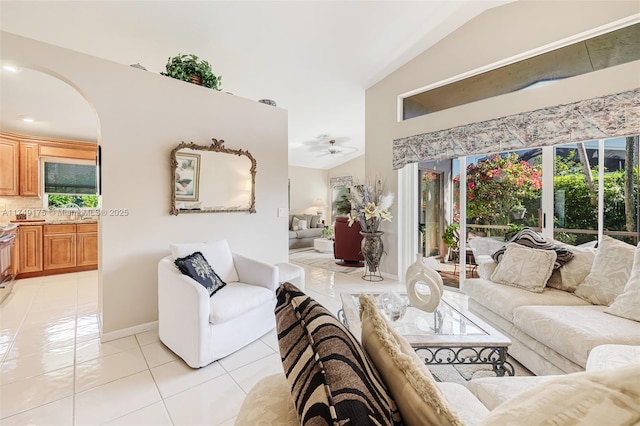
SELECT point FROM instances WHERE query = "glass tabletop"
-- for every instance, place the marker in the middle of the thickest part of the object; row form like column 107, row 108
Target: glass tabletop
column 446, row 320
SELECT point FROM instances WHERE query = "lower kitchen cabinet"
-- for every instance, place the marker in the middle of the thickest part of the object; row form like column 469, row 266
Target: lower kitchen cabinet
column 30, row 249
column 87, row 244
column 59, row 246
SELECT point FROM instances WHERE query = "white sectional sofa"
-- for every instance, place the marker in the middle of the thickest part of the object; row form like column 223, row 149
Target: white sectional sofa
column 552, row 331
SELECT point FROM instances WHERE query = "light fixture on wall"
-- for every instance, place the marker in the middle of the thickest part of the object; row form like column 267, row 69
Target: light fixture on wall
column 320, row 204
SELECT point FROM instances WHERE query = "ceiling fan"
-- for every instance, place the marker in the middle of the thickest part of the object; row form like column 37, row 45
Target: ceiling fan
column 336, row 150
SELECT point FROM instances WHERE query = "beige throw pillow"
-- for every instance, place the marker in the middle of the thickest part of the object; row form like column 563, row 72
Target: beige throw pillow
column 524, row 267
column 571, row 274
column 410, row 382
column 609, row 273
column 627, row 304
column 602, row 397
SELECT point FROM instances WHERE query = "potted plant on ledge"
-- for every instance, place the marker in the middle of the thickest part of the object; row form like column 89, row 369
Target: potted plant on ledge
column 192, row 69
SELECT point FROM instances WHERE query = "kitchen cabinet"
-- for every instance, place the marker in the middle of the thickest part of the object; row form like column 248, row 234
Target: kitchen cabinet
column 29, row 169
column 58, row 248
column 30, row 248
column 8, row 167
column 19, row 167
column 87, row 244
column 20, row 160
column 59, row 244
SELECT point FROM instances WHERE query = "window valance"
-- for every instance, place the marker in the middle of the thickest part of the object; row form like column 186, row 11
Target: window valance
column 590, row 119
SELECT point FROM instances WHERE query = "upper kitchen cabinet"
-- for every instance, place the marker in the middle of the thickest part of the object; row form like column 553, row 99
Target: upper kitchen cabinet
column 29, row 169
column 8, row 166
column 19, row 167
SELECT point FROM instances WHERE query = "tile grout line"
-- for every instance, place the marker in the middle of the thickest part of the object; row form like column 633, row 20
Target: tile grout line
column 75, row 348
column 164, row 404
column 19, row 328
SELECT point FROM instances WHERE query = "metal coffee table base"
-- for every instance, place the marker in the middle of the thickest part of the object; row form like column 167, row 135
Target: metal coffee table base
column 466, row 355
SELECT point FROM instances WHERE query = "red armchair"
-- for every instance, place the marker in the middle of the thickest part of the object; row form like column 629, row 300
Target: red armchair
column 346, row 249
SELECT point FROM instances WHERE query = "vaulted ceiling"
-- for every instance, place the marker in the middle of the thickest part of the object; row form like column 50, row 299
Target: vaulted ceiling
column 314, row 58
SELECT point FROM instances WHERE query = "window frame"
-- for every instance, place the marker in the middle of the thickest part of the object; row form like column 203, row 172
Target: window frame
column 45, row 195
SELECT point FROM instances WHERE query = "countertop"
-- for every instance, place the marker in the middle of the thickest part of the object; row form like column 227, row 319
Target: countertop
column 50, row 222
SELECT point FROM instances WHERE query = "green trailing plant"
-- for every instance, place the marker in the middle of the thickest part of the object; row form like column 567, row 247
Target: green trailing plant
column 328, row 232
column 190, row 68
column 449, row 236
column 511, row 231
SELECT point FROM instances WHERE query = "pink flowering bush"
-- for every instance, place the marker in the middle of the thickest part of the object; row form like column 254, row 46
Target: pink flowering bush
column 497, row 186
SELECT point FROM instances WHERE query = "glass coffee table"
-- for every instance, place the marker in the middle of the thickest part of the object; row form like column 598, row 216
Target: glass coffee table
column 450, row 335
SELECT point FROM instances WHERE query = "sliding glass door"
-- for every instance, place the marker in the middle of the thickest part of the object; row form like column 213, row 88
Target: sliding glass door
column 596, row 190
column 430, row 214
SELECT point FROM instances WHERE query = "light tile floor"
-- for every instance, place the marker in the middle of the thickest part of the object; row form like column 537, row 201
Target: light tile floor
column 55, row 371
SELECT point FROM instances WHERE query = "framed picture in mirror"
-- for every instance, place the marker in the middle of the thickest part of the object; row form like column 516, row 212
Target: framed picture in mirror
column 187, row 176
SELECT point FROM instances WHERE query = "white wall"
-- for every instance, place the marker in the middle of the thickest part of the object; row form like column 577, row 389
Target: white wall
column 307, row 185
column 354, row 168
column 142, row 117
column 495, row 35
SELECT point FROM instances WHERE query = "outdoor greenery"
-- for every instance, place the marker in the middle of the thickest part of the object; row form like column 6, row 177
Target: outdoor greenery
column 499, row 185
column 449, row 236
column 343, row 205
column 183, row 67
column 581, row 202
column 82, row 201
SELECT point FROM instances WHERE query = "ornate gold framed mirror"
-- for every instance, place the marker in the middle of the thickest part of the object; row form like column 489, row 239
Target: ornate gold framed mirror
column 212, row 179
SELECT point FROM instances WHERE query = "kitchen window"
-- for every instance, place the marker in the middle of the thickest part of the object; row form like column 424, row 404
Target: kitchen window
column 70, row 184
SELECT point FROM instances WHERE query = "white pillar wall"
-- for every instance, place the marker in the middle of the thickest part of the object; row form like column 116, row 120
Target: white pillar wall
column 142, row 116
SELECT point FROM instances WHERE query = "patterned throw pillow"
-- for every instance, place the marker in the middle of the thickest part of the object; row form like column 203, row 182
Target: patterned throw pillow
column 627, row 304
column 331, row 378
column 609, row 274
column 569, row 277
column 196, row 267
column 524, row 267
column 529, row 238
column 418, row 397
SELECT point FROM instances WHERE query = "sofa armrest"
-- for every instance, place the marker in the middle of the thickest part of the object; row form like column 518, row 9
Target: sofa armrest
column 256, row 272
column 611, row 356
column 183, row 313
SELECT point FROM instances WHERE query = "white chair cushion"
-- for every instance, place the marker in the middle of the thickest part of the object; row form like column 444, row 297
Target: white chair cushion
column 217, row 253
column 220, row 258
column 236, row 299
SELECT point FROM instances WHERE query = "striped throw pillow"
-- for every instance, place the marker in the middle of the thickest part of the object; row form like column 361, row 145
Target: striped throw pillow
column 332, row 380
column 529, row 238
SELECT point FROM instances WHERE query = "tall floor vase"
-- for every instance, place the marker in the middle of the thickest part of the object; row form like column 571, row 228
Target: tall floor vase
column 372, row 250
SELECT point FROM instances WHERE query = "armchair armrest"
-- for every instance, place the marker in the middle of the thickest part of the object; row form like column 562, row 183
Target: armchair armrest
column 183, row 313
column 256, row 272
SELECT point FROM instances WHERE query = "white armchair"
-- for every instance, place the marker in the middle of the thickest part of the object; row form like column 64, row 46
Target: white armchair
column 201, row 329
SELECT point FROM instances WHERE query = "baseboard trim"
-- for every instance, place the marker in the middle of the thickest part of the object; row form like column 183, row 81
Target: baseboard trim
column 129, row 331
column 389, row 276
